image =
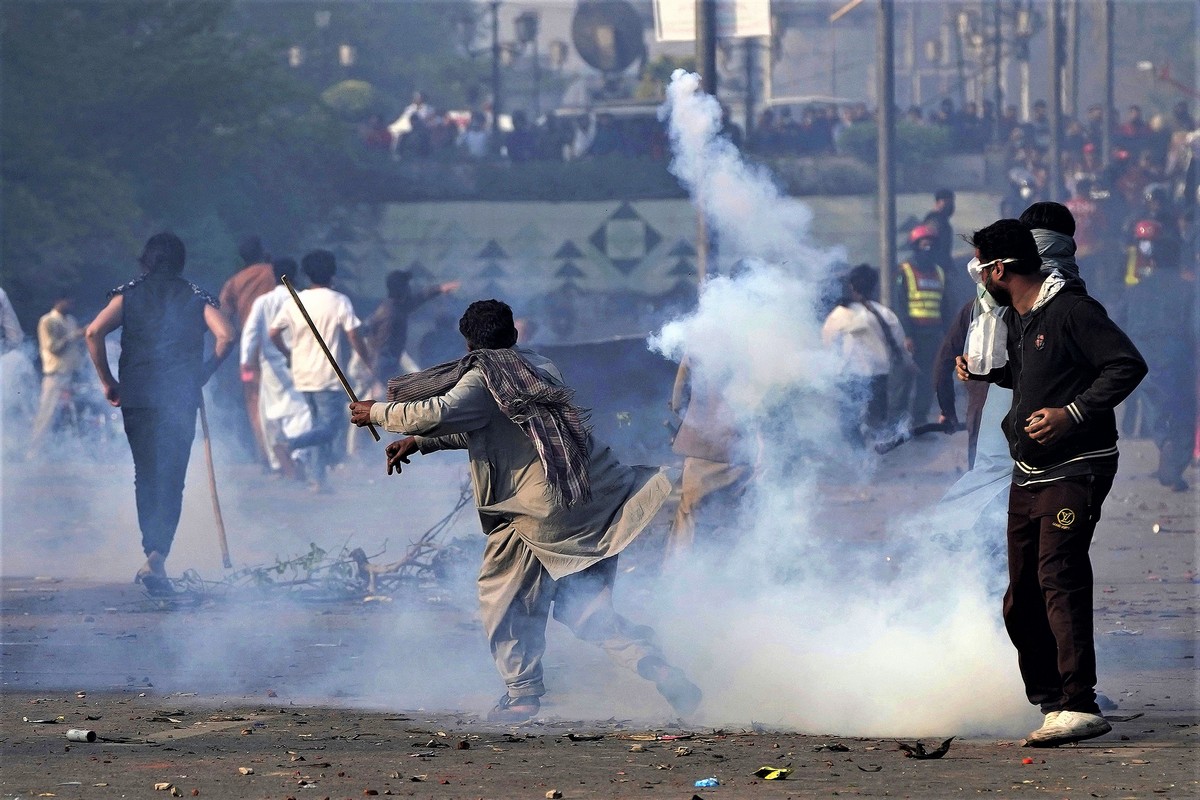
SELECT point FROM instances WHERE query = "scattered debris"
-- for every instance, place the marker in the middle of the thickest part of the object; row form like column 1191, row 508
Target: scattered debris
column 682, row 751
column 246, row 770
column 705, row 783
column 585, row 737
column 772, row 773
column 637, row 748
column 918, row 750
column 319, row 576
column 553, row 794
column 833, row 747
column 163, row 786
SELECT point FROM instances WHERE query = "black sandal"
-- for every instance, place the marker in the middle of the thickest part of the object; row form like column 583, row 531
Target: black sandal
column 155, row 585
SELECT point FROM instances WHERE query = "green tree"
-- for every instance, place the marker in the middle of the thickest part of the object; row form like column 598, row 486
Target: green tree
column 125, row 117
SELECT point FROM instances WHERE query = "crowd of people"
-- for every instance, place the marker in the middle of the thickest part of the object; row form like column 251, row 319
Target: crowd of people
column 1145, row 150
column 556, row 504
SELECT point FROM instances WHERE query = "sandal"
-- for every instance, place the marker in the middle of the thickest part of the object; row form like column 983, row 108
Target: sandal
column 514, row 710
column 155, row 585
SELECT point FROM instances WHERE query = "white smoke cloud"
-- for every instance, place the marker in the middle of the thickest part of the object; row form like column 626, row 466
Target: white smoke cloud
column 828, row 627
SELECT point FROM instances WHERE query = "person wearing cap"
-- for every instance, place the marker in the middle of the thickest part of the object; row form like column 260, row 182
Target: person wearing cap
column 920, row 302
column 1069, row 367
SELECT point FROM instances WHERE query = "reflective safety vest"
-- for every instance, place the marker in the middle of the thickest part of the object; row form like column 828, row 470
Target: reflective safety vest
column 925, row 292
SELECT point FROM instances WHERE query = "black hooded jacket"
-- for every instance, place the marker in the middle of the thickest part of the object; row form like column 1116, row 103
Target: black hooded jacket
column 1067, row 354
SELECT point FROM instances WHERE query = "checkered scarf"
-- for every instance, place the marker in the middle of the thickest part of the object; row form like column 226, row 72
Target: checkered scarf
column 543, row 410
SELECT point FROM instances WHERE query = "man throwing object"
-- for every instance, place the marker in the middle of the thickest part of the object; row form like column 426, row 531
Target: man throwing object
column 556, row 505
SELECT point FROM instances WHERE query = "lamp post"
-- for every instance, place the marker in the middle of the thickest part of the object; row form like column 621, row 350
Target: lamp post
column 495, row 74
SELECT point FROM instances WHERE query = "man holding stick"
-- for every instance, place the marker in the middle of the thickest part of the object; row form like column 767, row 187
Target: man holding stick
column 1068, row 366
column 314, row 374
column 556, row 505
column 163, row 319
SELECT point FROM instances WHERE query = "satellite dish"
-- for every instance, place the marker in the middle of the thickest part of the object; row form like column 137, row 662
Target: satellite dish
column 608, row 34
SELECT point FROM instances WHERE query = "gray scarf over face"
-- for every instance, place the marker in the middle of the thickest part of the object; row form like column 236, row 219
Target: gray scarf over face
column 1058, row 253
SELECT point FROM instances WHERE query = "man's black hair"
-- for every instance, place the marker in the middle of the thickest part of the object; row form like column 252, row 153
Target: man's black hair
column 943, row 194
column 1050, row 216
column 284, row 266
column 863, row 279
column 1008, row 238
column 397, row 282
column 488, row 325
column 164, row 252
column 250, row 250
column 320, row 266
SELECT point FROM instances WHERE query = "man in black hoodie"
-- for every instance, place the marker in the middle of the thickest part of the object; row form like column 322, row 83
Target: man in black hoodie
column 1069, row 366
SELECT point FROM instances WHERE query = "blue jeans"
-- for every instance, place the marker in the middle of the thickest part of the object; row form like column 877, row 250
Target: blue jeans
column 328, row 434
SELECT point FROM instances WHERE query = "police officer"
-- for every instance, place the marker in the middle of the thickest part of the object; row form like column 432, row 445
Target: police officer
column 920, row 302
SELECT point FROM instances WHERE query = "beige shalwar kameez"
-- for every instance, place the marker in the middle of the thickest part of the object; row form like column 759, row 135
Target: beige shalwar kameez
column 536, row 552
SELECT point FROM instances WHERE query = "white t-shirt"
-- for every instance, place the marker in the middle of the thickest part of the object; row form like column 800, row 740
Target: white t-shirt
column 332, row 314
column 855, row 333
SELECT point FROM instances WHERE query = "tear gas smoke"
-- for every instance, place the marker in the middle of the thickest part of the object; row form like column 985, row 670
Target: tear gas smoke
column 896, row 633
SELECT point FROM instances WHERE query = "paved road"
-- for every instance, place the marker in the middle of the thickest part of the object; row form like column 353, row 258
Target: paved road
column 365, row 687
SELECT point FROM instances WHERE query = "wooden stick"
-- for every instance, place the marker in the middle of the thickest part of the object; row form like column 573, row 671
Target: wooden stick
column 325, row 349
column 212, row 487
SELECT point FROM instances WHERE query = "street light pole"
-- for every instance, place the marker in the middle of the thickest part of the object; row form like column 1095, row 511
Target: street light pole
column 885, row 67
column 496, row 75
column 1056, row 100
column 1106, row 118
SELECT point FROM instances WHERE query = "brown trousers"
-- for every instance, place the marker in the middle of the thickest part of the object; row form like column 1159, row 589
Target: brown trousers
column 708, row 495
column 515, row 595
column 1048, row 605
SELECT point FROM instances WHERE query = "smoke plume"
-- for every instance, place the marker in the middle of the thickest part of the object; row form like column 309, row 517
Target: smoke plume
column 808, row 615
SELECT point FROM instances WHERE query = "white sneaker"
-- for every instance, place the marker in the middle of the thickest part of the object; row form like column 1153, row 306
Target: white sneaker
column 1046, row 723
column 1068, row 726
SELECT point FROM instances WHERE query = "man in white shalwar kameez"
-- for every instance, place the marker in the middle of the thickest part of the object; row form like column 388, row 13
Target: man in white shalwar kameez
column 281, row 409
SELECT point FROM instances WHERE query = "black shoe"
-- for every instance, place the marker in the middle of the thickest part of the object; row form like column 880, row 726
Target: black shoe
column 514, row 710
column 671, row 682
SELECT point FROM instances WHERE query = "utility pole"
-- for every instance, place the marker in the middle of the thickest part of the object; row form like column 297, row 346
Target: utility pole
column 885, row 74
column 1106, row 115
column 751, row 64
column 997, row 91
column 1056, row 63
column 1071, row 101
column 495, row 146
column 706, row 62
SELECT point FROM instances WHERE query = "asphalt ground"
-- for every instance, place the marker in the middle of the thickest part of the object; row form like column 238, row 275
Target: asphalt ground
column 279, row 693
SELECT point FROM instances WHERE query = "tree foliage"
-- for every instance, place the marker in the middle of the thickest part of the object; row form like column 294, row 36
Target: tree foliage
column 122, row 118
